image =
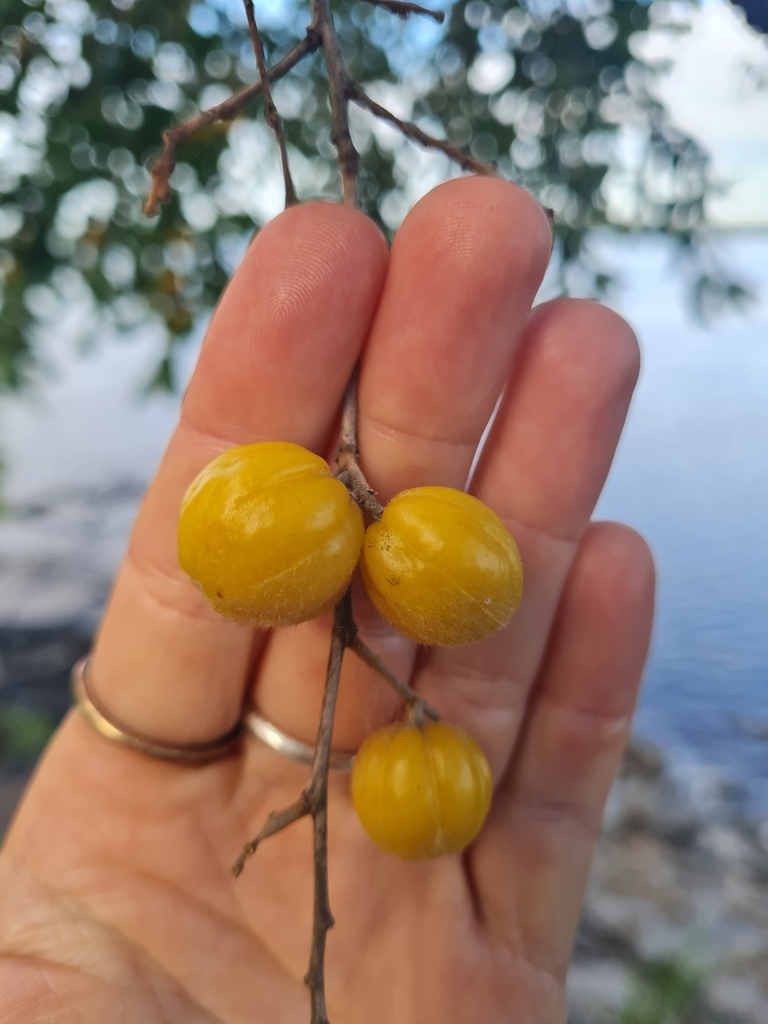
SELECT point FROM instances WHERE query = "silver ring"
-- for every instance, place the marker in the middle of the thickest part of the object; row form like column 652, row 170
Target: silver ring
column 280, row 741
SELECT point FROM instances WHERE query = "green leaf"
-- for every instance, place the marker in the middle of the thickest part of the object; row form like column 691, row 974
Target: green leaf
column 666, row 991
column 23, row 735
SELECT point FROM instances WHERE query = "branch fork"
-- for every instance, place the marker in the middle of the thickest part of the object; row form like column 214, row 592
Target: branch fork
column 321, row 34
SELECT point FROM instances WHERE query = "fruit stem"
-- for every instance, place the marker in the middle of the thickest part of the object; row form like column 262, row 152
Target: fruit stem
column 416, row 704
column 415, row 715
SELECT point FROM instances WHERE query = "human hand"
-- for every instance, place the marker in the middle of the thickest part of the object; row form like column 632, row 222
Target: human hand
column 116, row 899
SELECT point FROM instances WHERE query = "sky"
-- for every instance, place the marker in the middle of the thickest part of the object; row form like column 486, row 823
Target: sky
column 717, row 91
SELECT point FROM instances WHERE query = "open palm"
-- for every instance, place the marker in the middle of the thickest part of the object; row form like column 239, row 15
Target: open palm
column 116, row 901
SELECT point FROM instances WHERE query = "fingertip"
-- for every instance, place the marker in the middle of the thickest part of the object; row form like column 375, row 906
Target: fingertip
column 464, row 269
column 605, row 339
column 563, row 411
column 604, row 621
column 319, row 219
column 358, row 234
column 471, row 215
column 615, row 566
column 289, row 327
column 319, row 253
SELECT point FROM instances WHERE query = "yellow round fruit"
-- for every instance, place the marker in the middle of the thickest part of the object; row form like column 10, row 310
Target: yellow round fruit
column 421, row 792
column 441, row 567
column 269, row 536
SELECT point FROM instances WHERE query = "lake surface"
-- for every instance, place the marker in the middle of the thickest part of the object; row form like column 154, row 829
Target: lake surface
column 691, row 474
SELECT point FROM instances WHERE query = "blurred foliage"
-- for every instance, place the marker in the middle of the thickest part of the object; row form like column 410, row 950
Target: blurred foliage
column 576, row 124
column 554, row 90
column 23, row 736
column 667, row 991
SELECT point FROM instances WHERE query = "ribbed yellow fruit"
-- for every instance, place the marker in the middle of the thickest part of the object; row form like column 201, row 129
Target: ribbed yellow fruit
column 269, row 536
column 441, row 567
column 421, row 792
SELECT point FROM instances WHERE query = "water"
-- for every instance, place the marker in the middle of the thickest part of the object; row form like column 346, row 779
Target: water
column 691, row 474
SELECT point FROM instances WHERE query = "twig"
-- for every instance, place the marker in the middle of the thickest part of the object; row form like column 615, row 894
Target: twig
column 271, row 115
column 402, row 10
column 339, row 84
column 411, row 131
column 314, row 801
column 347, row 454
column 344, row 631
column 162, row 169
column 276, row 822
column 364, row 652
column 321, row 32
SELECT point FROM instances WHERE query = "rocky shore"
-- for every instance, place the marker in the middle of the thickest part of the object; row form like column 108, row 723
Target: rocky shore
column 675, row 925
column 674, row 928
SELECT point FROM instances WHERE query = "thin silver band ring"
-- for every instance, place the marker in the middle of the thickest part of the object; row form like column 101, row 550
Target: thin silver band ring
column 280, row 741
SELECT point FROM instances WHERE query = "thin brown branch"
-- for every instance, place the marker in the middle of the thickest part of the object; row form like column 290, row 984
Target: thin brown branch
column 338, row 94
column 276, row 822
column 411, row 131
column 314, row 801
column 402, row 10
column 344, row 632
column 347, row 454
column 162, row 169
column 271, row 115
column 364, row 652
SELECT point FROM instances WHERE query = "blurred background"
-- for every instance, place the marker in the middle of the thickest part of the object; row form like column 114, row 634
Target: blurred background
column 644, row 128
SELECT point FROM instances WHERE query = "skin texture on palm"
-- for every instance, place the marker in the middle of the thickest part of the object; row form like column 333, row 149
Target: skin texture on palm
column 115, row 897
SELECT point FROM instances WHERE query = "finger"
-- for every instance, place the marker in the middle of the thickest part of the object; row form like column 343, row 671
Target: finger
column 273, row 367
column 463, row 271
column 531, row 862
column 542, row 470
